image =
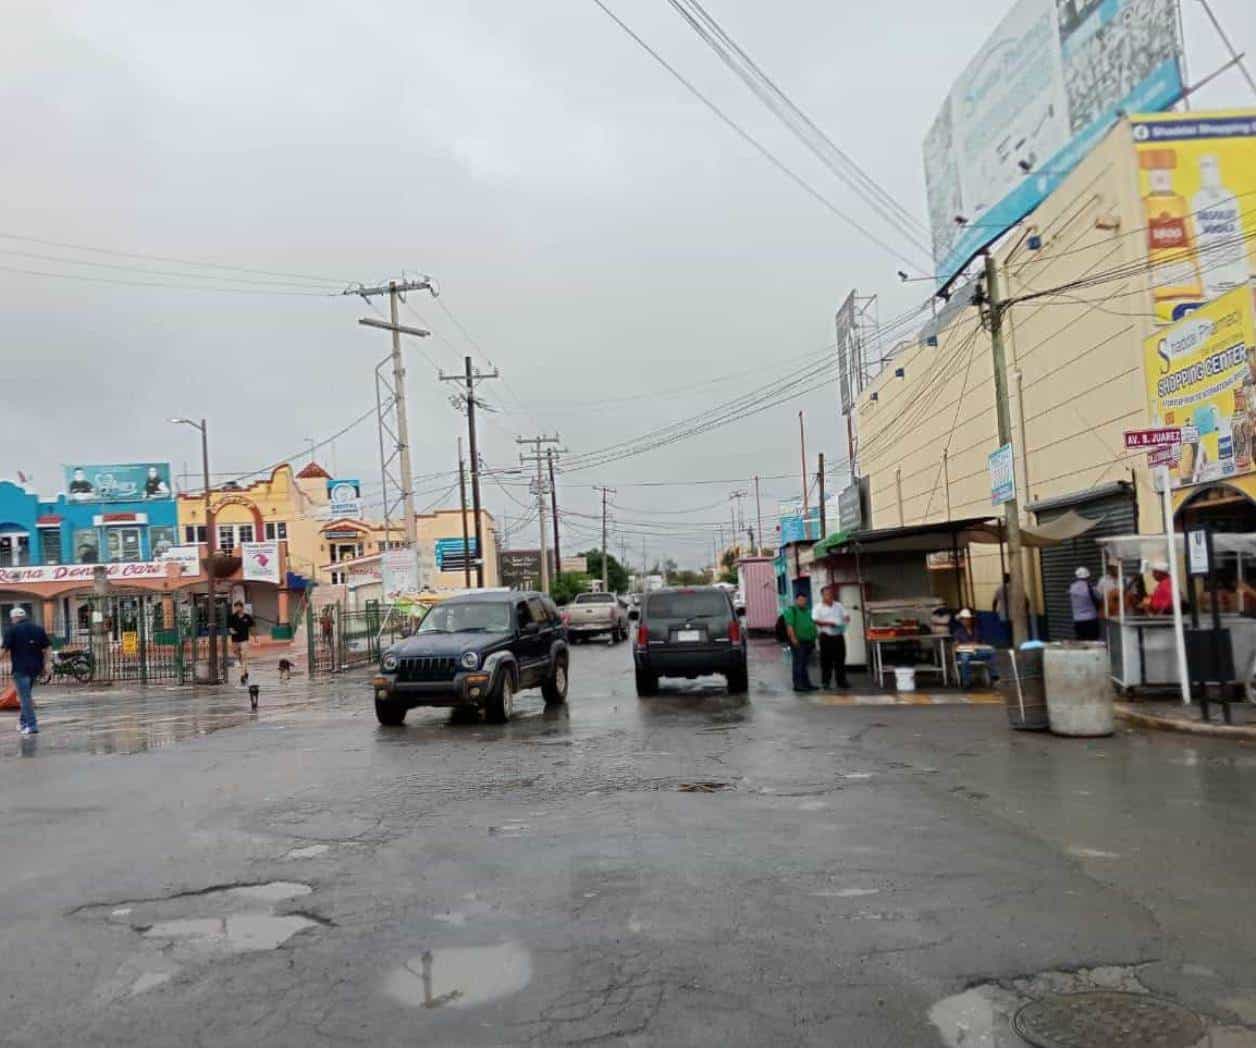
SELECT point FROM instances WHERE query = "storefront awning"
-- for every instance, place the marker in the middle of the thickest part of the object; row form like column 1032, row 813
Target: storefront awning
column 930, row 538
column 1152, row 547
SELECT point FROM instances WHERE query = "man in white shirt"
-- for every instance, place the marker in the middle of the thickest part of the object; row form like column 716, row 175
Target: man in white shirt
column 831, row 619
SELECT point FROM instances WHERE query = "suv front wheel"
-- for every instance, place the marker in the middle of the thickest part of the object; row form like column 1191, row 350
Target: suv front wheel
column 555, row 687
column 501, row 703
column 389, row 712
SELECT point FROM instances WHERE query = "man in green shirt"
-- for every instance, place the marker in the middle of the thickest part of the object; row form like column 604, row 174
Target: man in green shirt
column 802, row 640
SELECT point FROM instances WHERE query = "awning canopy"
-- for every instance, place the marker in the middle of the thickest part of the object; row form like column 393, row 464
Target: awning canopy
column 1152, row 547
column 931, row 538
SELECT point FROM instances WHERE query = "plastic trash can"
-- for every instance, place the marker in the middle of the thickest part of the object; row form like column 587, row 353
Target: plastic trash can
column 905, row 678
column 1079, row 692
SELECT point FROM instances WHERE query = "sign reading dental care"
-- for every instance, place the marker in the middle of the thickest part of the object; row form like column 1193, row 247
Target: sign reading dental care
column 260, row 561
column 148, row 569
column 1200, row 374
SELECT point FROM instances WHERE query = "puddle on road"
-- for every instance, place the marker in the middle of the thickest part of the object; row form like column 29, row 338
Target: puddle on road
column 460, row 976
column 244, row 933
column 313, row 851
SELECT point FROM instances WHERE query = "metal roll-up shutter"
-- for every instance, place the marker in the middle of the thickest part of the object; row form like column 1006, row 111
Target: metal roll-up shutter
column 1116, row 514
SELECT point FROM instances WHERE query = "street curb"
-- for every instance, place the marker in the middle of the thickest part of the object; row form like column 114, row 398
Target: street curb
column 1238, row 732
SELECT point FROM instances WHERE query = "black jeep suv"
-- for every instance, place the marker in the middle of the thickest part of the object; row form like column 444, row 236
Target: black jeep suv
column 687, row 633
column 476, row 651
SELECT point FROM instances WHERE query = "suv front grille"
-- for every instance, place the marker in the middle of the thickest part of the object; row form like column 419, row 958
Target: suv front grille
column 425, row 668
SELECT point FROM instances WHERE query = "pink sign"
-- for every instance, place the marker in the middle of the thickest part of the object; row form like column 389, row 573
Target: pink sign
column 1152, row 438
column 149, row 569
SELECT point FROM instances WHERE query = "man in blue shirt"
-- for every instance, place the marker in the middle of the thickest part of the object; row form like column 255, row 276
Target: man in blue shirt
column 26, row 644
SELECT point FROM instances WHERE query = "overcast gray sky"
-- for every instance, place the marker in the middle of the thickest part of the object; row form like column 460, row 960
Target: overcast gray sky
column 599, row 233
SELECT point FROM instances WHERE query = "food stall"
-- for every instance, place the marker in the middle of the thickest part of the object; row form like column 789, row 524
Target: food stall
column 1142, row 646
column 909, row 628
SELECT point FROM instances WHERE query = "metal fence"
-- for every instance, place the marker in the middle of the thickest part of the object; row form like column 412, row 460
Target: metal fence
column 127, row 638
column 339, row 639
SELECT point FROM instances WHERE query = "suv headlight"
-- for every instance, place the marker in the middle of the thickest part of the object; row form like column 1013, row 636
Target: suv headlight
column 470, row 660
column 389, row 662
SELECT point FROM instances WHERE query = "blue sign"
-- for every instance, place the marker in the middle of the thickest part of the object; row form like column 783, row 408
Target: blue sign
column 451, row 553
column 1002, row 466
column 1045, row 89
column 128, row 482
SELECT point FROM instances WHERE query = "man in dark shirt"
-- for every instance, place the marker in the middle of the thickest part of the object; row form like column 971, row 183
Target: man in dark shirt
column 26, row 644
column 239, row 622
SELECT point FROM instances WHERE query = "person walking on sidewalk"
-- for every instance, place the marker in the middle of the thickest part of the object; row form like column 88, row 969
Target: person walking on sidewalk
column 239, row 623
column 802, row 640
column 27, row 645
column 1085, row 602
column 831, row 619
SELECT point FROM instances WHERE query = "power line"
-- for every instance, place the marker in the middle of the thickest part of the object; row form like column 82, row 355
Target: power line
column 750, row 140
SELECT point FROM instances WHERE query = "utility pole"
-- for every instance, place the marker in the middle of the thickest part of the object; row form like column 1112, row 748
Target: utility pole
column 824, row 529
column 211, row 544
column 558, row 556
column 806, row 506
column 466, row 544
column 1011, row 508
column 467, row 398
column 538, row 459
column 399, row 432
column 758, row 512
column 605, row 573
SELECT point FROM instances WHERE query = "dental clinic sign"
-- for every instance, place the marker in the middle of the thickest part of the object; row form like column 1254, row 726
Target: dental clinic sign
column 151, row 569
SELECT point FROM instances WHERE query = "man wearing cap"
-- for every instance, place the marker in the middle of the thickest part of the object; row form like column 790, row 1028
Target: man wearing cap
column 969, row 649
column 26, row 644
column 1161, row 600
column 1085, row 603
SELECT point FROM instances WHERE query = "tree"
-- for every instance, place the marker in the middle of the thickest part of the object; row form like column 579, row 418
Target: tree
column 685, row 577
column 616, row 576
column 564, row 588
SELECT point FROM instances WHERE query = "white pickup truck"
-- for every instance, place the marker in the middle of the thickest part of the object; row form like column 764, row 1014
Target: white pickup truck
column 591, row 614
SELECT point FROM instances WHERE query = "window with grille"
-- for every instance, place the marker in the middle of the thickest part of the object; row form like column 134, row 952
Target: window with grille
column 50, row 545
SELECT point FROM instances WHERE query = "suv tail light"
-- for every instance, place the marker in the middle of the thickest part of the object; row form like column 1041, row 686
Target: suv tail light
column 643, row 635
column 734, row 631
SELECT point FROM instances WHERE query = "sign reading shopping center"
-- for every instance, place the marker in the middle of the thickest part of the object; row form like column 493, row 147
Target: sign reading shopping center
column 1039, row 95
column 1201, row 378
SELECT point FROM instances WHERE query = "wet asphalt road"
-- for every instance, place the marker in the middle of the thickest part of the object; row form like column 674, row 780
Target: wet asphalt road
column 177, row 871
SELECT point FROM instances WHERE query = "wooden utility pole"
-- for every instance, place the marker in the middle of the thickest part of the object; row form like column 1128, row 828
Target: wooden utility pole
column 758, row 512
column 558, row 556
column 823, row 517
column 466, row 544
column 605, row 571
column 470, row 377
column 538, row 459
column 806, row 506
column 1011, row 508
column 400, row 431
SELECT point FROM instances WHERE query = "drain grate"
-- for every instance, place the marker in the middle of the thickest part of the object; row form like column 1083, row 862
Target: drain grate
column 703, row 787
column 1107, row 1019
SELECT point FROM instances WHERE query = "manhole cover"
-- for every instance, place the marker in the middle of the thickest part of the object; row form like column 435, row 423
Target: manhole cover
column 1107, row 1019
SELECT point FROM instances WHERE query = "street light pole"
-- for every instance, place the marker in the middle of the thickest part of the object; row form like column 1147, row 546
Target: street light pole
column 210, row 548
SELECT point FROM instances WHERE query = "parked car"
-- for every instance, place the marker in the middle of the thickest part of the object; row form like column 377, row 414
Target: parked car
column 688, row 632
column 476, row 651
column 591, row 614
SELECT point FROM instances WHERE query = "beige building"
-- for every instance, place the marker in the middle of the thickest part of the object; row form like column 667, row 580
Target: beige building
column 927, row 423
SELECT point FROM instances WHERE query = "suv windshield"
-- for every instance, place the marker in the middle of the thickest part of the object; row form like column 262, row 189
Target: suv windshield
column 478, row 616
column 700, row 604
column 595, row 598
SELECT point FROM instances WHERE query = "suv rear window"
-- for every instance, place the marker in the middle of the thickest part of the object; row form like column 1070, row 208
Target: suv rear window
column 701, row 604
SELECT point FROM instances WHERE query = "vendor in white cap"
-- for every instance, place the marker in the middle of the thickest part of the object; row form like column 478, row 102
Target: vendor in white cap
column 1161, row 600
column 969, row 649
column 1085, row 602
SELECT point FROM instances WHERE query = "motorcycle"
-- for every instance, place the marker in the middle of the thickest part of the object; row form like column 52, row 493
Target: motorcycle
column 69, row 662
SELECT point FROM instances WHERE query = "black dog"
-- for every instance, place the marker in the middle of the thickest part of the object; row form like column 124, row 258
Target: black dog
column 254, row 691
column 285, row 669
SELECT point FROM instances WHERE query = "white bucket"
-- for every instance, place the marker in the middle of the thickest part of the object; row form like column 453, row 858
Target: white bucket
column 905, row 678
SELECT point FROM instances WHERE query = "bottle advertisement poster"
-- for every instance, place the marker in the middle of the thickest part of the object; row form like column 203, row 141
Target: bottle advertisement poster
column 1201, row 378
column 1197, row 180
